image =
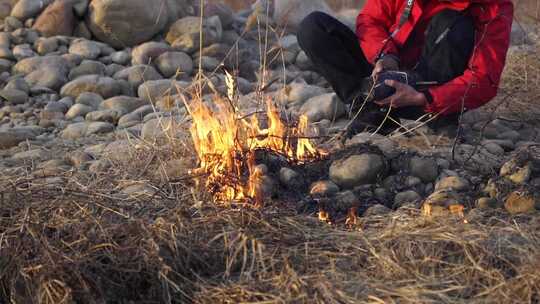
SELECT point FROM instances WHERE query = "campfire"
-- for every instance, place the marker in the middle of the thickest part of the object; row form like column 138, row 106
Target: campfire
column 229, row 146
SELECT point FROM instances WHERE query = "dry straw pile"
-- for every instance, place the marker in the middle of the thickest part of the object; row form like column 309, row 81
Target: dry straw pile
column 86, row 242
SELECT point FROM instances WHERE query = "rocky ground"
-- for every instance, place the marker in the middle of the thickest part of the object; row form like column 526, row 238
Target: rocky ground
column 92, row 95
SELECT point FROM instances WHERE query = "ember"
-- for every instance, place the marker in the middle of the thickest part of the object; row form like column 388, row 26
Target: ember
column 226, row 146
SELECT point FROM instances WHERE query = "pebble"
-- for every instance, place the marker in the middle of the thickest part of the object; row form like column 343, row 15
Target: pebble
column 290, row 178
column 520, row 202
column 14, row 96
column 406, row 197
column 452, row 183
column 377, row 210
column 323, row 189
column 425, row 168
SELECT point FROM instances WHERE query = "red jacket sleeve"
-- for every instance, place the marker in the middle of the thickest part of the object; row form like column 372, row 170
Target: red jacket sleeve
column 373, row 27
column 480, row 81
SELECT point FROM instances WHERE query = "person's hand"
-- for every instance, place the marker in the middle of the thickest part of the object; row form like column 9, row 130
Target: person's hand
column 405, row 96
column 387, row 63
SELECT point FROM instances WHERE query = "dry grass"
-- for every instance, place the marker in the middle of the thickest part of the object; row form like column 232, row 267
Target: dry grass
column 83, row 241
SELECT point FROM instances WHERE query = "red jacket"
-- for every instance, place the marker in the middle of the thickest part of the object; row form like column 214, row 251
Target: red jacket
column 480, row 81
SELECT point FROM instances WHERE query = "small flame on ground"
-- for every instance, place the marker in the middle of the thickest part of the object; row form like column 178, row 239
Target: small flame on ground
column 226, row 144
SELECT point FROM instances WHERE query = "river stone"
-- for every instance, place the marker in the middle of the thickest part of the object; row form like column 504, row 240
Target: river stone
column 290, row 178
column 170, row 63
column 45, row 46
column 327, row 106
column 121, row 57
column 129, row 120
column 55, row 106
column 5, row 65
column 303, row 62
column 223, row 11
column 74, row 131
column 47, row 71
column 13, row 137
column 29, row 65
column 377, row 210
column 147, row 52
column 23, row 51
column 104, row 86
column 99, row 127
column 159, row 130
column 57, row 19
column 290, row 13
column 122, row 104
column 6, row 53
column 185, row 33
column 110, row 116
column 12, row 24
column 123, row 23
column 18, row 83
column 406, row 197
column 87, row 49
column 487, row 202
column 425, row 168
column 357, row 170
column 520, row 202
column 297, row 93
column 453, row 183
column 138, row 74
column 92, row 100
column 25, row 9
column 443, row 203
column 78, row 110
column 152, row 91
column 34, row 154
column 323, row 189
column 209, row 63
column 87, row 67
column 14, row 96
column 5, row 8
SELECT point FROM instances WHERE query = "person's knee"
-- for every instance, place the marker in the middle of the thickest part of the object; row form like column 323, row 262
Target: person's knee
column 310, row 28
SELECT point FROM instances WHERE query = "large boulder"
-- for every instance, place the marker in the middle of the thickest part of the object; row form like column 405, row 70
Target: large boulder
column 57, row 19
column 123, row 23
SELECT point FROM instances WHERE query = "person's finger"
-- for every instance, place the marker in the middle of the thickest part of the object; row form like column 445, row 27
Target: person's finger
column 393, row 83
column 385, row 102
column 378, row 69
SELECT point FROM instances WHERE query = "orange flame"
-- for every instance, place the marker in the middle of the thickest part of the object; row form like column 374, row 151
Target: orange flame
column 225, row 146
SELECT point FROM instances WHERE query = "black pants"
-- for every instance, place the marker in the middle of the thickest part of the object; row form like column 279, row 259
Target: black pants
column 335, row 52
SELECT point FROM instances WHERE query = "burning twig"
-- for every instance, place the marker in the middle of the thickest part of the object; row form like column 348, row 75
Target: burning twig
column 226, row 147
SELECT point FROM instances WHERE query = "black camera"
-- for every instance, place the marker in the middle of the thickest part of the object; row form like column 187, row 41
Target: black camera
column 381, row 90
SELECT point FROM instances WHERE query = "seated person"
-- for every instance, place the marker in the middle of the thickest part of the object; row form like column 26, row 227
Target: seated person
column 453, row 53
